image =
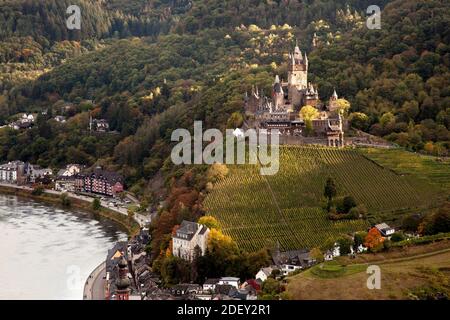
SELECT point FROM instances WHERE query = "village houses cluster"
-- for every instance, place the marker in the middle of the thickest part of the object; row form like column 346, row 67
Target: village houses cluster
column 28, row 120
column 73, row 178
column 191, row 238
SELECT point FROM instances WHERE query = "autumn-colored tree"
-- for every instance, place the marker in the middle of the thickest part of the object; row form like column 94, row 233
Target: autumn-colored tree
column 219, row 242
column 308, row 113
column 428, row 147
column 169, row 249
column 374, row 240
column 235, row 120
column 359, row 120
column 210, row 222
column 343, row 106
column 216, row 172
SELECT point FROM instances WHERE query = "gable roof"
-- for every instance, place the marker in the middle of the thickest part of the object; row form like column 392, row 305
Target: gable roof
column 290, row 257
column 187, row 230
column 211, row 281
column 382, row 226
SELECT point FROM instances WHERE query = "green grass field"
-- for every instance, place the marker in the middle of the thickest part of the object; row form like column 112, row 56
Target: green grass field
column 259, row 211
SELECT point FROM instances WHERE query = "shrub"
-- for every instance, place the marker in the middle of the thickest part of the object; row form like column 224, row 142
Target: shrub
column 37, row 191
column 345, row 243
column 65, row 200
column 411, row 222
column 387, row 244
column 398, row 236
column 348, row 203
column 96, row 205
column 353, row 213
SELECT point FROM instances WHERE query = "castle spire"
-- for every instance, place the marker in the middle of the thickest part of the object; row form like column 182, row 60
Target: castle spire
column 334, row 96
column 297, row 49
column 277, row 79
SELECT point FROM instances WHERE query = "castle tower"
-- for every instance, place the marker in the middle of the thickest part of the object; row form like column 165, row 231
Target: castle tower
column 332, row 104
column 122, row 282
column 278, row 93
column 312, row 96
column 298, row 69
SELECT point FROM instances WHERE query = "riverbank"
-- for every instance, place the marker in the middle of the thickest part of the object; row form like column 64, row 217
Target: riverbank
column 76, row 201
column 94, row 287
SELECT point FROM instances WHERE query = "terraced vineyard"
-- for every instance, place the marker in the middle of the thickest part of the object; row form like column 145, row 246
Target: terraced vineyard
column 259, row 211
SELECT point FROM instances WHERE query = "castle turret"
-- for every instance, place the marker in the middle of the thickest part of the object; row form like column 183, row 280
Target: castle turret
column 122, row 282
column 334, row 96
column 298, row 69
column 278, row 93
column 332, row 103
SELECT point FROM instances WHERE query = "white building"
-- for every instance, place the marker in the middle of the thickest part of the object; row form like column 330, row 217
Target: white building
column 12, row 172
column 35, row 172
column 264, row 273
column 232, row 281
column 385, row 229
column 70, row 170
column 189, row 236
column 332, row 253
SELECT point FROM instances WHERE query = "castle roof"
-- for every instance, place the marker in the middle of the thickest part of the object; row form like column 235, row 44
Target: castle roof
column 277, row 79
column 277, row 87
column 334, row 95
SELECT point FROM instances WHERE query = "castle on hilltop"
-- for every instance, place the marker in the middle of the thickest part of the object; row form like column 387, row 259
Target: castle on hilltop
column 281, row 111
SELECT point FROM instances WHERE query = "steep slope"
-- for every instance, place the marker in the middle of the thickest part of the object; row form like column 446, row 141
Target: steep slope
column 259, row 211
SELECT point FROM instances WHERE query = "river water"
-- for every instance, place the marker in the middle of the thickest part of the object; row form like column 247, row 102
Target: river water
column 48, row 252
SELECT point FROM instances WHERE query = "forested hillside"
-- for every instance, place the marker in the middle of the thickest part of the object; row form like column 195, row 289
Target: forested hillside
column 149, row 67
column 397, row 76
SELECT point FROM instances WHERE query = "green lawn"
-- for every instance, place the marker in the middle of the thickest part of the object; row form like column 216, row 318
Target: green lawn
column 333, row 269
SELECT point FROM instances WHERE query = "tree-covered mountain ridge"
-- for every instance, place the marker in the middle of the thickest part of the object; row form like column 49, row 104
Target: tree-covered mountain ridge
column 147, row 86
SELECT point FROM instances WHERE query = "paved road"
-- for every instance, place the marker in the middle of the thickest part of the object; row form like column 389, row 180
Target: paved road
column 94, row 288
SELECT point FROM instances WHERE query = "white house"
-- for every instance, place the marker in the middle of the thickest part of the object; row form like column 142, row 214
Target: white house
column 12, row 172
column 70, row 170
column 189, row 236
column 35, row 172
column 232, row 281
column 263, row 273
column 28, row 117
column 292, row 260
column 332, row 253
column 385, row 229
column 360, row 249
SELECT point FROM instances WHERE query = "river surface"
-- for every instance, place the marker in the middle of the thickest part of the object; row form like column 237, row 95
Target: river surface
column 48, row 252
